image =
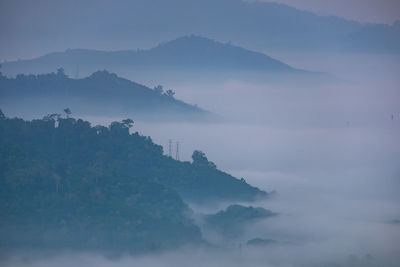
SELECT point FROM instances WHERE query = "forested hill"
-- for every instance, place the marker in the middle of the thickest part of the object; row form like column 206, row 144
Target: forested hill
column 66, row 183
column 102, row 93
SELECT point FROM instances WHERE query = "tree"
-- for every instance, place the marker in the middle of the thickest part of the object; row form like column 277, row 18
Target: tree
column 52, row 117
column 2, row 116
column 170, row 93
column 61, row 72
column 211, row 165
column 67, row 112
column 121, row 128
column 128, row 123
column 200, row 159
column 100, row 129
column 159, row 89
column 1, row 74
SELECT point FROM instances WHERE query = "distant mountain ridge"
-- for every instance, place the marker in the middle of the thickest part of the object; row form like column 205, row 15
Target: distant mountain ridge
column 123, row 24
column 199, row 52
column 189, row 53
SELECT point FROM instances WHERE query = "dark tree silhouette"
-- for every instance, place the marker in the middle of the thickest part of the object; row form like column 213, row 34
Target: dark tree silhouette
column 61, row 72
column 52, row 117
column 170, row 93
column 67, row 112
column 200, row 159
column 128, row 123
column 159, row 90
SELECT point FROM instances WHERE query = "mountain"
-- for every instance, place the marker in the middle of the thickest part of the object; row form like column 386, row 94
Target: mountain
column 66, row 184
column 232, row 222
column 102, row 93
column 125, row 24
column 186, row 54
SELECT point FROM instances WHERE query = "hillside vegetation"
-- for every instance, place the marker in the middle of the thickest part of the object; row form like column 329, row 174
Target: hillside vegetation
column 64, row 183
column 101, row 94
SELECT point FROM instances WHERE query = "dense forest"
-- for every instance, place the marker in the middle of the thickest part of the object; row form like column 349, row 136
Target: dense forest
column 66, row 184
column 102, row 93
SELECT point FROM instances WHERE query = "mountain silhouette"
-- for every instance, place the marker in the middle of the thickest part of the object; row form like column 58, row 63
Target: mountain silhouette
column 256, row 25
column 102, row 93
column 189, row 53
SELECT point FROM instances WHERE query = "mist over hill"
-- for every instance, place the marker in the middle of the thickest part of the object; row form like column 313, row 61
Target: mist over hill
column 101, row 94
column 109, row 106
column 255, row 25
column 68, row 185
column 189, row 54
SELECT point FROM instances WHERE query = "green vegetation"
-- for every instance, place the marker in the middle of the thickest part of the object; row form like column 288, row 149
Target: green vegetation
column 100, row 94
column 64, row 183
column 231, row 222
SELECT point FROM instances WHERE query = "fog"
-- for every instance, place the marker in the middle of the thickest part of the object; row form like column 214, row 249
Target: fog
column 331, row 151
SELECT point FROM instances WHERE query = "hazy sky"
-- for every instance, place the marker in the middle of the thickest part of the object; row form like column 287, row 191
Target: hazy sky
column 32, row 28
column 382, row 11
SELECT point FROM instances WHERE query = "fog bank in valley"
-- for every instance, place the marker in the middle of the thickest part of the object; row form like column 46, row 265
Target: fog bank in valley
column 330, row 150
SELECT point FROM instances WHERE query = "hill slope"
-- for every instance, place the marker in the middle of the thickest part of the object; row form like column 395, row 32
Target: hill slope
column 102, row 93
column 67, row 184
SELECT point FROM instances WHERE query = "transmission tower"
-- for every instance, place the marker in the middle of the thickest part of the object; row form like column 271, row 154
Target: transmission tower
column 177, row 151
column 170, row 148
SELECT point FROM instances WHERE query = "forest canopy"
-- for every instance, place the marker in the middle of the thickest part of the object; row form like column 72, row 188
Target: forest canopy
column 65, row 183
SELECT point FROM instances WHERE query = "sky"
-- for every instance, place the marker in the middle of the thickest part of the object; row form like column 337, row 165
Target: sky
column 30, row 29
column 377, row 11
